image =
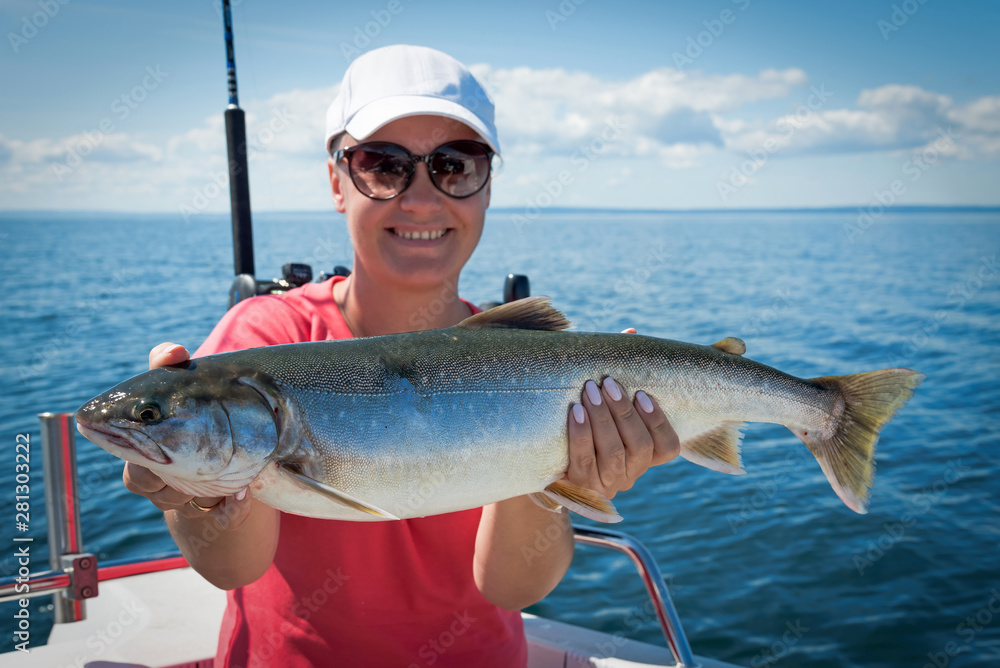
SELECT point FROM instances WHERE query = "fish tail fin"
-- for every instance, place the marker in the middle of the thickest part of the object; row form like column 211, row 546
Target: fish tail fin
column 865, row 402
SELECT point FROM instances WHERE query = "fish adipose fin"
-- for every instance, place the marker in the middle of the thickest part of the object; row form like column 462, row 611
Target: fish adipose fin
column 717, row 449
column 731, row 345
column 866, row 402
column 584, row 501
column 527, row 313
column 335, row 494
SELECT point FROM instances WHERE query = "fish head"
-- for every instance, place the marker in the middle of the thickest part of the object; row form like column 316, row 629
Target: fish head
column 205, row 428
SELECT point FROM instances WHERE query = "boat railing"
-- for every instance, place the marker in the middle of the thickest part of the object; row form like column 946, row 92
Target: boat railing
column 73, row 575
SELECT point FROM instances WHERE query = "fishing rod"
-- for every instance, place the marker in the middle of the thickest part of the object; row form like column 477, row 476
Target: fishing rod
column 245, row 284
column 236, row 141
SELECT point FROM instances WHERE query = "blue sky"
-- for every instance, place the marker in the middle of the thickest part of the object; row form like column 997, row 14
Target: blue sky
column 712, row 104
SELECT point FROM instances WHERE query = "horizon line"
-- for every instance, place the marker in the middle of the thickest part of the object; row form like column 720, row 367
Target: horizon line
column 909, row 208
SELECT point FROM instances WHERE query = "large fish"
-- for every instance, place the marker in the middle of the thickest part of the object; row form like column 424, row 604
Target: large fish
column 432, row 422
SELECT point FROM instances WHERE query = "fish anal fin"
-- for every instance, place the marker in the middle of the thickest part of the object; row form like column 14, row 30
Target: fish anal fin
column 717, row 449
column 731, row 345
column 528, row 313
column 335, row 494
column 584, row 501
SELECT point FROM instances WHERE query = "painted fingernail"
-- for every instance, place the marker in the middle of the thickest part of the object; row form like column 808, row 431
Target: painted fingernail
column 593, row 393
column 242, row 494
column 578, row 413
column 613, row 389
column 644, row 403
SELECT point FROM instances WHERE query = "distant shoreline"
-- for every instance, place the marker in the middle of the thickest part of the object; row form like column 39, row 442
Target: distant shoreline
column 830, row 209
column 910, row 209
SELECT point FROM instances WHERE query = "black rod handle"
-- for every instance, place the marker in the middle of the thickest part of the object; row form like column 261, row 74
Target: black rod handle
column 239, row 191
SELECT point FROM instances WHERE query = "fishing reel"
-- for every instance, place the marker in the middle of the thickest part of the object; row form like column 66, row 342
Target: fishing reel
column 515, row 286
column 294, row 275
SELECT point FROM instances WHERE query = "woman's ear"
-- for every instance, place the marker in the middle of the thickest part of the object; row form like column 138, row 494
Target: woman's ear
column 336, row 186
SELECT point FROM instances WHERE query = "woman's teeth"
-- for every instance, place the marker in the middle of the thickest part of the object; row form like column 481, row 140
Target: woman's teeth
column 426, row 235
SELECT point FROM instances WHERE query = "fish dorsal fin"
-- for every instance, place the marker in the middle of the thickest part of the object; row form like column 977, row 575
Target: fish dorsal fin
column 584, row 501
column 527, row 313
column 731, row 345
column 336, row 495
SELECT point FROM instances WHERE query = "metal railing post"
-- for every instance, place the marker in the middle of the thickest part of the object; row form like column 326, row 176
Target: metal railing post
column 644, row 562
column 62, row 510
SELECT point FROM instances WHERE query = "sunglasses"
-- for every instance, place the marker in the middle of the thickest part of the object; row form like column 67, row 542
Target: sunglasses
column 382, row 170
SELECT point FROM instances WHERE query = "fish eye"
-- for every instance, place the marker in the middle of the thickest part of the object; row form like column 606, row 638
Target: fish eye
column 146, row 412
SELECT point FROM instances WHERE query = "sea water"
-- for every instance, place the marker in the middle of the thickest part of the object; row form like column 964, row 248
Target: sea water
column 769, row 568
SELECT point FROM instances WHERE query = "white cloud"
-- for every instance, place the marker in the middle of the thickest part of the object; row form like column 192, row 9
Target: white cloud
column 659, row 112
column 889, row 118
column 97, row 146
column 115, row 170
column 980, row 122
column 292, row 123
column 981, row 116
column 548, row 120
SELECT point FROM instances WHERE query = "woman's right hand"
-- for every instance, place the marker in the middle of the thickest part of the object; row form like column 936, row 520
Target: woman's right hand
column 227, row 511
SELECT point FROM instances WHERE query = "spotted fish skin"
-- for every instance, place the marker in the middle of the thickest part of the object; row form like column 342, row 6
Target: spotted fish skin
column 431, row 422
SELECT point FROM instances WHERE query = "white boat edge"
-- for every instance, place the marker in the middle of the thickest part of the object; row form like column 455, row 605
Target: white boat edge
column 171, row 619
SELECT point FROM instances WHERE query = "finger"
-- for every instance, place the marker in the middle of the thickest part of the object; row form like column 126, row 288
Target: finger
column 140, row 480
column 608, row 444
column 167, row 354
column 666, row 444
column 228, row 512
column 171, row 499
column 582, row 469
column 632, row 430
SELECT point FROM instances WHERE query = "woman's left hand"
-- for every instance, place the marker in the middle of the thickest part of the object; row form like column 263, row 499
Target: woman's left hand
column 614, row 440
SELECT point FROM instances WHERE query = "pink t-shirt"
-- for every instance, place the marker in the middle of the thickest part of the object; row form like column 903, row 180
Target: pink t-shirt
column 365, row 594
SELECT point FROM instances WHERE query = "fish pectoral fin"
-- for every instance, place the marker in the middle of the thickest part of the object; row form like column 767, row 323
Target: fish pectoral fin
column 584, row 501
column 527, row 313
column 731, row 345
column 336, row 495
column 717, row 449
column 542, row 500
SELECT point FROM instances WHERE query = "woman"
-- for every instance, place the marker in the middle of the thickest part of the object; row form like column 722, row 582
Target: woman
column 442, row 590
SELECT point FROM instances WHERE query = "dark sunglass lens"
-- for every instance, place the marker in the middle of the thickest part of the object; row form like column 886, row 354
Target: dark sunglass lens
column 460, row 168
column 380, row 170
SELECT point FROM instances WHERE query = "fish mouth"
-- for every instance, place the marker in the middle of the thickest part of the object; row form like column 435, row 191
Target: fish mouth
column 125, row 439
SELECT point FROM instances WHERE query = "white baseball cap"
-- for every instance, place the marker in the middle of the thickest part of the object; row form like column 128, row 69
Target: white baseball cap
column 397, row 81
